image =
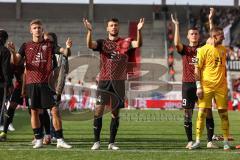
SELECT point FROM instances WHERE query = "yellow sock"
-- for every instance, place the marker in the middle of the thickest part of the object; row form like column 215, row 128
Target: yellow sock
column 200, row 124
column 225, row 124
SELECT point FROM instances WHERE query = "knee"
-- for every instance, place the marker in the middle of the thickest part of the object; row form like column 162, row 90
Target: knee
column 13, row 105
column 115, row 114
column 99, row 111
column 54, row 111
column 187, row 119
column 222, row 111
column 223, row 114
column 188, row 112
column 202, row 114
column 209, row 114
column 34, row 112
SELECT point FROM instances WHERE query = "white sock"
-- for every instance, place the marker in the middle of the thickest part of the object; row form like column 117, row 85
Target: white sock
column 59, row 140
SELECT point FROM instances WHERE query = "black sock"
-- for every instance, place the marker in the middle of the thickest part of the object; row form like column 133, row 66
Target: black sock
column 41, row 119
column 210, row 128
column 188, row 123
column 59, row 134
column 97, row 127
column 8, row 118
column 38, row 133
column 46, row 122
column 52, row 130
column 188, row 130
column 113, row 129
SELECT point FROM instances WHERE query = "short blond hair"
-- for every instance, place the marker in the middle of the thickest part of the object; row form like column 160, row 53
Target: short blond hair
column 35, row 21
column 215, row 29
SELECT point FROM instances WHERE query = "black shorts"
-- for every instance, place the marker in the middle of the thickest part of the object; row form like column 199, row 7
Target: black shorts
column 40, row 96
column 189, row 97
column 111, row 93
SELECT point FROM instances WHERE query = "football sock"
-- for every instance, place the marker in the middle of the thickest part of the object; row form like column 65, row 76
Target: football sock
column 225, row 124
column 200, row 124
column 113, row 129
column 210, row 128
column 97, row 127
column 8, row 118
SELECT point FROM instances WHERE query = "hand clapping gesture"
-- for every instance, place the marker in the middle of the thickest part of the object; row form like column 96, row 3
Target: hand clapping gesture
column 87, row 24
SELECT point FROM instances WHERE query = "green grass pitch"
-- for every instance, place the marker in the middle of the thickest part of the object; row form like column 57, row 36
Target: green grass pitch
column 143, row 135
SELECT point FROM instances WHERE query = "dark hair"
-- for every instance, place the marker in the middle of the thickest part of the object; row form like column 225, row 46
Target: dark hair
column 193, row 28
column 112, row 20
column 3, row 36
column 54, row 36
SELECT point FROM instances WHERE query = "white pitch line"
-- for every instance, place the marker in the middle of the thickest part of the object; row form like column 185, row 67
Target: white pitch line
column 123, row 151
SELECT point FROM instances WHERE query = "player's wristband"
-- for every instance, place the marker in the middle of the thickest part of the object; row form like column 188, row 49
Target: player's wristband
column 198, row 84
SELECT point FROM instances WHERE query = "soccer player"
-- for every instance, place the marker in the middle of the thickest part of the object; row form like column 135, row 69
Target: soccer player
column 5, row 71
column 38, row 57
column 58, row 77
column 189, row 97
column 14, row 99
column 211, row 81
column 61, row 68
column 113, row 64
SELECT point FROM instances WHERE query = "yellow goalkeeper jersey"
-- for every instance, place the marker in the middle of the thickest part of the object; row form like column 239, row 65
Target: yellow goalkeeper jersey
column 211, row 61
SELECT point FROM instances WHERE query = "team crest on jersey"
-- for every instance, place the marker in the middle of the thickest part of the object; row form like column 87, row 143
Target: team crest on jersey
column 44, row 47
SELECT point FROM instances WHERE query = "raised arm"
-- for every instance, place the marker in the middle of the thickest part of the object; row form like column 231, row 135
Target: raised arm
column 177, row 42
column 210, row 40
column 138, row 42
column 15, row 57
column 67, row 51
column 90, row 43
column 210, row 18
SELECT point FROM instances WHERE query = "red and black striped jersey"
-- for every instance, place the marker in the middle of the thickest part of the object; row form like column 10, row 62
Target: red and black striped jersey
column 189, row 54
column 39, row 60
column 113, row 58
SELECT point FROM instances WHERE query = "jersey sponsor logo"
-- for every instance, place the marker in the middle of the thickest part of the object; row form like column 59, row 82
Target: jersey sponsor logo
column 39, row 58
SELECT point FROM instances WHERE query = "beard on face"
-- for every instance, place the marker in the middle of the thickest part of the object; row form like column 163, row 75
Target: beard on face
column 114, row 35
column 219, row 42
